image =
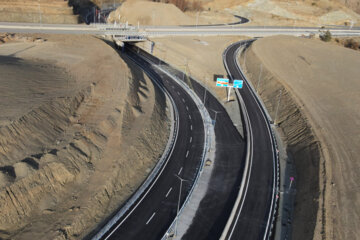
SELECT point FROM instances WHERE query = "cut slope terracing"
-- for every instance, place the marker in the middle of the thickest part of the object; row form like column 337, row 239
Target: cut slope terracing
column 81, row 131
column 37, row 11
column 318, row 114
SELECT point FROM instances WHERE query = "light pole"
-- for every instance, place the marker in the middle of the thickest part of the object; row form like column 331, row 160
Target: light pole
column 197, row 18
column 204, row 96
column 39, row 13
column 216, row 112
column 277, row 107
column 178, row 206
column 257, row 85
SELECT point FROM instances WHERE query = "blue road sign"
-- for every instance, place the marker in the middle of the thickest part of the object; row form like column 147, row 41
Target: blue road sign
column 238, row 83
column 222, row 82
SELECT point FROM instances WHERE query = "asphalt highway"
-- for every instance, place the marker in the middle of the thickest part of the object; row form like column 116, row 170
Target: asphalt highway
column 153, row 213
column 254, row 215
column 154, row 31
column 215, row 208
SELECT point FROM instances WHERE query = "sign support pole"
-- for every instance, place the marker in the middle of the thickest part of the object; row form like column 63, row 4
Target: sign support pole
column 228, row 93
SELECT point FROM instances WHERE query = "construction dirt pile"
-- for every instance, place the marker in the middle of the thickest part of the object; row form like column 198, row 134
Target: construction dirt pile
column 319, row 116
column 155, row 13
column 37, row 11
column 80, row 129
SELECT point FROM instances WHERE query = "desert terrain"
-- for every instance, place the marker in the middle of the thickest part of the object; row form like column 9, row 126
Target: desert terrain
column 319, row 116
column 259, row 12
column 79, row 123
column 75, row 134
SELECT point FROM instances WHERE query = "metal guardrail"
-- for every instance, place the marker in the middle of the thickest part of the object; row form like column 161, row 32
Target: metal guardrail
column 274, row 143
column 160, row 164
column 271, row 219
column 207, row 123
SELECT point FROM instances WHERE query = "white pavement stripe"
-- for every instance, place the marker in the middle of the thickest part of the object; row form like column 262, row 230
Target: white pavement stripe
column 178, row 93
column 187, row 108
column 189, row 117
column 150, row 218
column 187, row 153
column 191, row 127
column 180, row 171
column 190, row 139
column 183, row 100
column 167, row 194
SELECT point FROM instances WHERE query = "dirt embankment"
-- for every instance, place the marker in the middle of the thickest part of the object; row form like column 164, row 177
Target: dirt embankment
column 80, row 133
column 318, row 114
column 37, row 11
column 156, row 13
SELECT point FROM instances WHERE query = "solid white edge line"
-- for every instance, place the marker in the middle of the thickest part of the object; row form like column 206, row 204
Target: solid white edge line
column 163, row 167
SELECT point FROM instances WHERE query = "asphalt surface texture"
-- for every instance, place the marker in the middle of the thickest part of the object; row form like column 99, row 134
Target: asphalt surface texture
column 255, row 212
column 151, row 217
column 215, row 208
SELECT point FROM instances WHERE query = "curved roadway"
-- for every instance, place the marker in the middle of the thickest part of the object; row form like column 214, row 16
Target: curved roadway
column 254, row 214
column 153, row 213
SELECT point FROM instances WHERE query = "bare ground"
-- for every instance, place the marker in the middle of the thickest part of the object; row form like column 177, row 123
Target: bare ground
column 80, row 132
column 319, row 115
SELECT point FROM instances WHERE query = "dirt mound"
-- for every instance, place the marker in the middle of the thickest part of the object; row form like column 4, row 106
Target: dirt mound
column 293, row 13
column 82, row 129
column 150, row 13
column 319, row 115
column 45, row 11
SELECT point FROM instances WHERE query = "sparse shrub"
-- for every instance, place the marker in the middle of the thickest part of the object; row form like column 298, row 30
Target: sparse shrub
column 351, row 43
column 313, row 4
column 184, row 5
column 196, row 6
column 325, row 36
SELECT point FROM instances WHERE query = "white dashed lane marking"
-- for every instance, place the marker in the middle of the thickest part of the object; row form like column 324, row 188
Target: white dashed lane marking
column 167, row 194
column 190, row 139
column 150, row 218
column 180, row 171
column 187, row 154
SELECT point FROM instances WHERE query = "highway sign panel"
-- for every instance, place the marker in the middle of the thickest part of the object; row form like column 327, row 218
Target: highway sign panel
column 222, row 82
column 238, row 83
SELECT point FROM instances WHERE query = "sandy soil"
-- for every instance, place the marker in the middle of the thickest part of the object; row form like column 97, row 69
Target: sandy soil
column 285, row 13
column 154, row 13
column 201, row 58
column 319, row 116
column 74, row 137
column 45, row 11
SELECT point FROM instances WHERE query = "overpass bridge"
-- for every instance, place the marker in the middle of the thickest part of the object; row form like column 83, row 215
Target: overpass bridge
column 128, row 33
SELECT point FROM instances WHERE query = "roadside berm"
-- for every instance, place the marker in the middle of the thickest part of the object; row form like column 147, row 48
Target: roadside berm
column 80, row 130
column 314, row 85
